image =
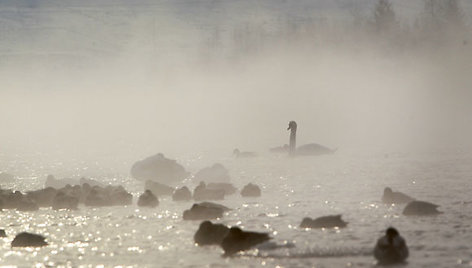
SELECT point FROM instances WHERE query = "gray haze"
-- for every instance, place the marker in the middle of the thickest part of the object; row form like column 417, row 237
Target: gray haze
column 139, row 77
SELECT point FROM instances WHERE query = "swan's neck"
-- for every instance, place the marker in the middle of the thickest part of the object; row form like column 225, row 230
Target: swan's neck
column 293, row 140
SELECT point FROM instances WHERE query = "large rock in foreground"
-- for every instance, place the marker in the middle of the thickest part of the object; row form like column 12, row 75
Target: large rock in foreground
column 158, row 168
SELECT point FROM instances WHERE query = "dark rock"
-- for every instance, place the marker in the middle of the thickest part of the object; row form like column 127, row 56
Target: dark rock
column 2, row 233
column 28, row 240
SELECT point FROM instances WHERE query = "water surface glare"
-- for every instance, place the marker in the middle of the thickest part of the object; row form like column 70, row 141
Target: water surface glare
column 350, row 185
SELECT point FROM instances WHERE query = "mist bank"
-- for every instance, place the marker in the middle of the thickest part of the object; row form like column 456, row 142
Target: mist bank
column 137, row 91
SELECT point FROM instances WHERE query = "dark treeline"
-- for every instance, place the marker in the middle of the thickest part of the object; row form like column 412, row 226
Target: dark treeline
column 440, row 23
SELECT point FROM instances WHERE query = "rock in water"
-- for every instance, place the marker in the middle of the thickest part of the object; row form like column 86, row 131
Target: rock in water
column 238, row 240
column 158, row 168
column 28, row 240
column 331, row 221
column 2, row 233
column 210, row 234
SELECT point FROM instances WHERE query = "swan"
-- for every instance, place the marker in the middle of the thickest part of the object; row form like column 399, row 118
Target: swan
column 306, row 149
column 391, row 248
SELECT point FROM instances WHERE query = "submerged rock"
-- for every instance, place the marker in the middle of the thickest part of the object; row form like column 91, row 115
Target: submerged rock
column 420, row 208
column 391, row 248
column 182, row 194
column 238, row 240
column 2, row 233
column 331, row 221
column 158, row 168
column 251, row 190
column 29, row 240
column 210, row 234
column 215, row 173
column 203, row 212
column 148, row 199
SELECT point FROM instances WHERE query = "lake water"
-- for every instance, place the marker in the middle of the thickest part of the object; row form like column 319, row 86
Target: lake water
column 347, row 184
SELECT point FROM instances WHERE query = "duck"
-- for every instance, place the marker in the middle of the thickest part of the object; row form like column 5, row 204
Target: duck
column 391, row 248
column 209, row 233
column 331, row 221
column 202, row 212
column 391, row 197
column 148, row 199
column 238, row 240
column 238, row 154
column 420, row 208
column 182, row 194
column 307, row 149
column 25, row 239
column 251, row 190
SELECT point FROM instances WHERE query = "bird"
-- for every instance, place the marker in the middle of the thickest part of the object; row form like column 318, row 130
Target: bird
column 420, row 208
column 238, row 154
column 331, row 221
column 391, row 248
column 391, row 197
column 238, row 240
column 306, row 149
column 209, row 233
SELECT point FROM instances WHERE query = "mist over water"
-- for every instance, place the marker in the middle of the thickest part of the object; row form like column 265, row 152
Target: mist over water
column 200, row 76
column 88, row 88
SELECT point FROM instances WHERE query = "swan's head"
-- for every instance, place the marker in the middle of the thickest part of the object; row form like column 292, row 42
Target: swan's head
column 292, row 125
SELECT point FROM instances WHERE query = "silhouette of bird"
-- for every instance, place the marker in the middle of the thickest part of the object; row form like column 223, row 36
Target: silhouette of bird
column 238, row 240
column 391, row 248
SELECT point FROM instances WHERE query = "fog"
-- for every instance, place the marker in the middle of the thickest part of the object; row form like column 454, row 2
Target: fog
column 176, row 77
